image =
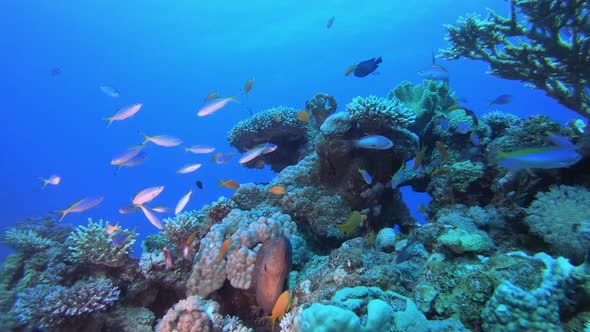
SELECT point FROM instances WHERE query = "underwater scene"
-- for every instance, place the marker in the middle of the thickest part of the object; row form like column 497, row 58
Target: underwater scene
column 295, row 166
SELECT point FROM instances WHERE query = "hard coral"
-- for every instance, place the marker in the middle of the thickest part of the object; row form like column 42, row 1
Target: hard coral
column 279, row 126
column 562, row 213
column 93, row 244
column 531, row 46
column 47, row 306
column 26, row 241
column 376, row 114
column 320, row 107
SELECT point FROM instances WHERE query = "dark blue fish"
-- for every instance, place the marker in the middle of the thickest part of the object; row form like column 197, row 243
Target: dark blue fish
column 501, row 100
column 475, row 140
column 471, row 113
column 366, row 67
column 462, row 128
column 199, row 184
column 119, row 240
column 55, row 71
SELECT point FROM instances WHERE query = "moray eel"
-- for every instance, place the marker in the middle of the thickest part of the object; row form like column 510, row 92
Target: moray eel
column 273, row 264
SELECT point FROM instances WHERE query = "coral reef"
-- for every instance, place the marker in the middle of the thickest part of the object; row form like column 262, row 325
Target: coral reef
column 560, row 214
column 46, row 306
column 530, row 45
column 279, row 126
column 321, row 106
column 93, row 244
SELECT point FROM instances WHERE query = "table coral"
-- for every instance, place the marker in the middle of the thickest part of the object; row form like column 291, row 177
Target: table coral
column 543, row 42
column 93, row 244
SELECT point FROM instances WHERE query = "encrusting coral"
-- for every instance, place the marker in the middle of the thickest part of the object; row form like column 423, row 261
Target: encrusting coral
column 532, row 45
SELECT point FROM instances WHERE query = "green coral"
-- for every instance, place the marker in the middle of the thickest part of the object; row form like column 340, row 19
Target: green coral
column 93, row 244
column 426, row 100
column 26, row 241
column 562, row 213
column 465, row 173
column 530, row 45
column 376, row 114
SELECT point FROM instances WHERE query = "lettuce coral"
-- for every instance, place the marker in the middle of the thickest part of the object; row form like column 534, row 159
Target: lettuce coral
column 93, row 244
column 562, row 213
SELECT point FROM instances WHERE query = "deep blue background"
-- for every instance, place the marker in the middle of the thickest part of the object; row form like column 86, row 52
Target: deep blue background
column 169, row 55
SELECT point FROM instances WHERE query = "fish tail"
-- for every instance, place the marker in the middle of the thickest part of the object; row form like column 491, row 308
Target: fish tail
column 45, row 182
column 378, row 61
column 62, row 214
column 109, row 121
column 491, row 102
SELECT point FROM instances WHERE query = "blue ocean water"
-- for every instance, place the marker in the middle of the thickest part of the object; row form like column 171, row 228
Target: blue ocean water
column 168, row 55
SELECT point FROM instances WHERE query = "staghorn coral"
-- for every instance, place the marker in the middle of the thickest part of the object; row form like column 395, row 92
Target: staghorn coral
column 531, row 45
column 562, row 213
column 93, row 244
column 26, row 241
column 376, row 114
column 45, row 306
column 279, row 126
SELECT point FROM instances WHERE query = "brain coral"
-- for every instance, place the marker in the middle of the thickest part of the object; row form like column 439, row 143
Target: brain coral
column 562, row 219
column 279, row 126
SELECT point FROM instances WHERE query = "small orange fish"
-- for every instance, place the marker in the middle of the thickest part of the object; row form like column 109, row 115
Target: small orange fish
column 442, row 150
column 110, row 229
column 303, row 116
column 280, row 308
column 211, row 96
column 230, row 184
column 223, row 250
column 259, row 163
column 418, row 159
column 190, row 239
column 349, row 70
column 439, row 171
column 277, row 190
column 421, row 208
column 248, row 86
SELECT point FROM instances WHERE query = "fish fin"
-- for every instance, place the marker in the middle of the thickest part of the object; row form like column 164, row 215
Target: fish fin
column 109, row 121
column 378, row 60
column 62, row 214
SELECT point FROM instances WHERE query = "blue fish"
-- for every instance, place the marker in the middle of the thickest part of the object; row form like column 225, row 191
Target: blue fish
column 501, row 100
column 119, row 240
column 444, row 124
column 475, row 140
column 366, row 67
column 366, row 176
column 434, row 72
column 376, row 142
column 462, row 128
column 560, row 141
column 541, row 157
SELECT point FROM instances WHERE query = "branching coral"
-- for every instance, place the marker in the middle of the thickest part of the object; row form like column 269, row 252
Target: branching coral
column 544, row 42
column 562, row 213
column 26, row 241
column 46, row 306
column 95, row 245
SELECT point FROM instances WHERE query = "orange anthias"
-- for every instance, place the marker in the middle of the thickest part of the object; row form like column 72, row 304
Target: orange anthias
column 280, row 308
